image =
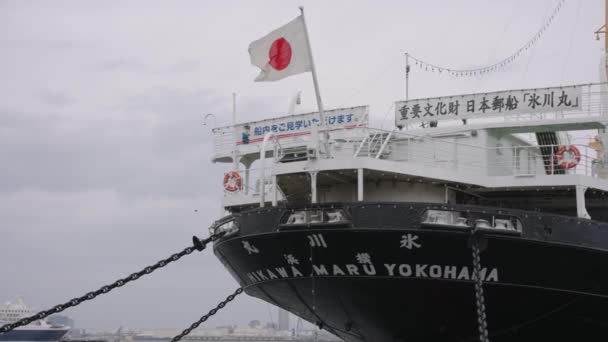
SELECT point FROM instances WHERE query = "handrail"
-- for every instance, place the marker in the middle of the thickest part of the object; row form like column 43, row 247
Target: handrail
column 388, row 138
column 360, row 146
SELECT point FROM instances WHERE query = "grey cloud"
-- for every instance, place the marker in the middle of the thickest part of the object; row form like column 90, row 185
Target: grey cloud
column 54, row 97
column 153, row 144
column 122, row 64
column 190, row 65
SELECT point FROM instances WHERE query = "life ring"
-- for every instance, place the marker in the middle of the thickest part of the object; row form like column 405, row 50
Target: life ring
column 232, row 181
column 570, row 162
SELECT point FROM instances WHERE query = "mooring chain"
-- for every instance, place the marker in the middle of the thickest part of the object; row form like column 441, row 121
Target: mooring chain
column 482, row 322
column 211, row 312
column 197, row 245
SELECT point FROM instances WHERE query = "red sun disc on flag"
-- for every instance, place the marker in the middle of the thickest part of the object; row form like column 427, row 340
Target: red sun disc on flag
column 279, row 54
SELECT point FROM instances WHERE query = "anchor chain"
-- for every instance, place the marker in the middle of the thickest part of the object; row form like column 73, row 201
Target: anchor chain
column 211, row 312
column 197, row 245
column 482, row 322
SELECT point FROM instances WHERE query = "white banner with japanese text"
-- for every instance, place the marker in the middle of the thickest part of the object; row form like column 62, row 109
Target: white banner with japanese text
column 501, row 103
column 301, row 124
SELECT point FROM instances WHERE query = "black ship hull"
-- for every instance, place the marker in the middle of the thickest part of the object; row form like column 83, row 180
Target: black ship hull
column 26, row 334
column 386, row 276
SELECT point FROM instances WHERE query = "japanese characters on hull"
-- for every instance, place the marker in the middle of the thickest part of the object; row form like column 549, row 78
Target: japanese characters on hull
column 301, row 124
column 363, row 263
column 525, row 101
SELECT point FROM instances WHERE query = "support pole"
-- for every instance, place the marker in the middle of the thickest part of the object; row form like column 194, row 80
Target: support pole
column 360, row 185
column 313, row 187
column 314, row 72
column 581, row 209
column 247, row 172
column 274, row 190
column 236, row 134
column 267, row 137
column 606, row 37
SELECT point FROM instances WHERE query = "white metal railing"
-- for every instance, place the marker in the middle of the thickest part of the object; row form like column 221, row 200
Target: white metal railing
column 224, row 141
column 251, row 187
column 525, row 160
column 594, row 102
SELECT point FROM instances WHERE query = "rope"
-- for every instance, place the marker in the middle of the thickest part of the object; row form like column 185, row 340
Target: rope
column 426, row 66
column 533, row 53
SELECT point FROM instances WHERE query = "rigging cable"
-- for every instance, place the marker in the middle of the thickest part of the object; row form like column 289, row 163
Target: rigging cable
column 426, row 66
column 578, row 12
column 492, row 54
column 533, row 53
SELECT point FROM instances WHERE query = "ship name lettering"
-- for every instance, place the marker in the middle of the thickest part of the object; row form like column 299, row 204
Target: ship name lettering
column 450, row 272
column 493, row 276
column 272, row 275
column 390, row 268
column 421, row 270
column 281, row 271
column 352, row 269
column 320, row 269
column 338, row 270
column 464, row 274
column 435, row 271
column 261, row 275
column 369, row 269
column 296, row 272
column 405, row 270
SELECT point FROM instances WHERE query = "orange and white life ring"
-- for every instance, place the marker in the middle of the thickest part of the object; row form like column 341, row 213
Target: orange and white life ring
column 568, row 156
column 232, row 181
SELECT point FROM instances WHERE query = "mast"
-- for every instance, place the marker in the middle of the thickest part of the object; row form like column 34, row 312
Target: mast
column 236, row 134
column 407, row 75
column 314, row 72
column 597, row 37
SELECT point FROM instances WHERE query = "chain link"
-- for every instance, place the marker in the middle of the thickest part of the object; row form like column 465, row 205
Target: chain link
column 482, row 322
column 197, row 245
column 211, row 312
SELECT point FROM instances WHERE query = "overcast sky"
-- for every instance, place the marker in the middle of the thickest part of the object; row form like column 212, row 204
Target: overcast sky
column 104, row 158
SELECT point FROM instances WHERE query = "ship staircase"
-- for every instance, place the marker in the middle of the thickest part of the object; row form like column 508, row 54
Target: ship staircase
column 374, row 145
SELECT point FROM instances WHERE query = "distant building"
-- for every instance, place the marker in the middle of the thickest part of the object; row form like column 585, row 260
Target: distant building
column 283, row 320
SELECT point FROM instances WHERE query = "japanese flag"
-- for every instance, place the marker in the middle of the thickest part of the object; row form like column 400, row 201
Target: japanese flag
column 281, row 53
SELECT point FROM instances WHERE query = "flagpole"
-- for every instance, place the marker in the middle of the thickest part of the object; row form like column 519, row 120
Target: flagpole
column 314, row 71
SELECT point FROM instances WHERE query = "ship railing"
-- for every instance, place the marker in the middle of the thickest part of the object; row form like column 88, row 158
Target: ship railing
column 250, row 187
column 594, row 103
column 524, row 160
column 531, row 161
column 224, row 141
